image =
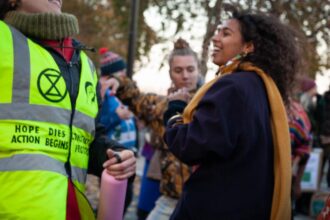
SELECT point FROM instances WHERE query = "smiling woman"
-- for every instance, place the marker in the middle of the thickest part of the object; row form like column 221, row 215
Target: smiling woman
column 227, row 131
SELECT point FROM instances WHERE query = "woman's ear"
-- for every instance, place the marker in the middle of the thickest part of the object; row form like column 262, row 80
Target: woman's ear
column 248, row 48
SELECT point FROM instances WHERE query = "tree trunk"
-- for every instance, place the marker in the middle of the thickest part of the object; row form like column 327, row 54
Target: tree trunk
column 213, row 14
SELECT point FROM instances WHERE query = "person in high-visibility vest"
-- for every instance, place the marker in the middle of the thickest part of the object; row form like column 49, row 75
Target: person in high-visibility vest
column 50, row 137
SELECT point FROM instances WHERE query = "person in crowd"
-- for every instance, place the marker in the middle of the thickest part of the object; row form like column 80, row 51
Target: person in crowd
column 301, row 145
column 325, row 144
column 308, row 91
column 49, row 106
column 235, row 129
column 118, row 119
column 311, row 102
column 184, row 73
column 149, row 110
column 116, row 116
column 325, row 132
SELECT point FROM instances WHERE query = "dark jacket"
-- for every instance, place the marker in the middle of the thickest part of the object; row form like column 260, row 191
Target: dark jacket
column 325, row 130
column 230, row 139
column 174, row 172
column 71, row 74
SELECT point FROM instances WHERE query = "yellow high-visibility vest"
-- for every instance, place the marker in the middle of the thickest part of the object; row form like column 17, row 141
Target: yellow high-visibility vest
column 43, row 140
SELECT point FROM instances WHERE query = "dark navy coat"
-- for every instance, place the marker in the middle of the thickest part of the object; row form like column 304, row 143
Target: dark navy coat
column 230, row 139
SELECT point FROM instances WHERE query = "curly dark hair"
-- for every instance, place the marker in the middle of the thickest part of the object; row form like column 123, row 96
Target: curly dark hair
column 276, row 48
column 6, row 6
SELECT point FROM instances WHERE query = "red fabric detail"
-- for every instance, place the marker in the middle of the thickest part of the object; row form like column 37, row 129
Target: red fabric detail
column 65, row 47
column 103, row 50
column 325, row 213
column 72, row 209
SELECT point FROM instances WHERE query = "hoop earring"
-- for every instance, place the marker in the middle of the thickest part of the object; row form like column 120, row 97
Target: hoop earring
column 244, row 54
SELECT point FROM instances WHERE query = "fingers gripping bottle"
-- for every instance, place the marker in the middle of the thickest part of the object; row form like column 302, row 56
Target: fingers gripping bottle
column 112, row 198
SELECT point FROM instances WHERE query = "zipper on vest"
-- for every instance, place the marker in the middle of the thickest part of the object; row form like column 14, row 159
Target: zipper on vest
column 68, row 163
column 73, row 109
column 68, row 66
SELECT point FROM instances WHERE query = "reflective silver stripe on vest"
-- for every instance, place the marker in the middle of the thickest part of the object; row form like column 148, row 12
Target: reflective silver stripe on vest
column 21, row 84
column 23, row 162
column 21, row 111
column 85, row 122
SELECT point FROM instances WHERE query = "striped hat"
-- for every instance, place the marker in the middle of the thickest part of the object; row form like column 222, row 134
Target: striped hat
column 110, row 62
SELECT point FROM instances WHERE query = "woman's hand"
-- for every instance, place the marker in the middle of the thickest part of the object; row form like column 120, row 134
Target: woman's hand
column 120, row 165
column 109, row 83
column 181, row 94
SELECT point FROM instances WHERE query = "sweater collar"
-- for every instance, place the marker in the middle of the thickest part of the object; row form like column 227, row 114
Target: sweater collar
column 45, row 26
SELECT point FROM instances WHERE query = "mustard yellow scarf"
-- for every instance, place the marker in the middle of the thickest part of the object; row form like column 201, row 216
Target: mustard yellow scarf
column 281, row 204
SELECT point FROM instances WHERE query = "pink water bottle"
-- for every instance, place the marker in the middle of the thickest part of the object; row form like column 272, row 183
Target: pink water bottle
column 112, row 198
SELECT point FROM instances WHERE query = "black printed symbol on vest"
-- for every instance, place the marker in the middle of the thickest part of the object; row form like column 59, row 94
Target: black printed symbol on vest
column 51, row 85
column 90, row 92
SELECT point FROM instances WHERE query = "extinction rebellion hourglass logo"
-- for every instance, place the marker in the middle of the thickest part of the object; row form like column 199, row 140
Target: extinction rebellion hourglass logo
column 51, row 85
